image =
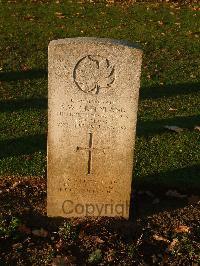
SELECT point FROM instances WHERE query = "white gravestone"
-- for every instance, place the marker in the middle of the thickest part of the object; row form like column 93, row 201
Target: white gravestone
column 92, row 112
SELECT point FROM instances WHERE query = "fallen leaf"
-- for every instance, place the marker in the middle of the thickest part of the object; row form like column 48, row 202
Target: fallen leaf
column 61, row 261
column 149, row 193
column 29, row 17
column 160, row 22
column 25, row 67
column 17, row 246
column 59, row 15
column 172, row 109
column 15, row 185
column 40, row 232
column 182, row 229
column 98, row 240
column 59, row 245
column 197, row 128
column 110, row 255
column 160, row 238
column 155, row 201
column 93, row 239
column 172, row 244
column 175, row 194
column 110, row 1
column 174, row 128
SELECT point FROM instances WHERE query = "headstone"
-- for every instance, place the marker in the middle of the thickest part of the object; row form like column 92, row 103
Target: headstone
column 93, row 102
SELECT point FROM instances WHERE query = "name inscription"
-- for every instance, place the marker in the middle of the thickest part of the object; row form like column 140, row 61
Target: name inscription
column 92, row 114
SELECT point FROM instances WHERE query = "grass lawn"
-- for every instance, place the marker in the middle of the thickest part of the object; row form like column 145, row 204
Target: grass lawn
column 170, row 89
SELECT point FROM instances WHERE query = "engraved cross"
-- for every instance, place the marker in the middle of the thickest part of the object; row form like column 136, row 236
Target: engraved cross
column 90, row 149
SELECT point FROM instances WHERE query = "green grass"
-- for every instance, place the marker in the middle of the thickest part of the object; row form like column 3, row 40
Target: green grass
column 169, row 37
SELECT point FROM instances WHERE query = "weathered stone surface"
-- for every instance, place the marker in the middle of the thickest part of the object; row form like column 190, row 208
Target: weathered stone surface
column 93, row 101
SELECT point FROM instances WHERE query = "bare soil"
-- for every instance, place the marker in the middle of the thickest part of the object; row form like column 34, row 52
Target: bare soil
column 161, row 233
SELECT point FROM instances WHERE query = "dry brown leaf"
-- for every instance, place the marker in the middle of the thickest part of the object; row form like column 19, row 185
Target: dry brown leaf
column 15, row 185
column 98, row 240
column 174, row 128
column 172, row 109
column 156, row 201
column 29, row 17
column 40, row 232
column 149, row 193
column 160, row 22
column 25, row 67
column 175, row 194
column 110, row 1
column 59, row 245
column 61, row 261
column 59, row 15
column 17, row 246
column 173, row 244
column 197, row 128
column 182, row 229
column 110, row 255
column 160, row 238
column 93, row 239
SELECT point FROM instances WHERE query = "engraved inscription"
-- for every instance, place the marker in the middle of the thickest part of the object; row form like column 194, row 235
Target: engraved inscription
column 93, row 114
column 93, row 74
column 90, row 149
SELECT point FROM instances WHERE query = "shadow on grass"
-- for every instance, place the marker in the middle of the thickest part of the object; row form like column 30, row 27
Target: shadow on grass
column 21, row 75
column 149, row 128
column 155, row 92
column 23, row 146
column 149, row 193
column 23, row 104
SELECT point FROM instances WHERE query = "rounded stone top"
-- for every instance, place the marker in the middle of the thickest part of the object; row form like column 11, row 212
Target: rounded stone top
column 95, row 40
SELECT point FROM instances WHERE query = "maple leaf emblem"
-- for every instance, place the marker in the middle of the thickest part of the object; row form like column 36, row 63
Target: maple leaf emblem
column 93, row 73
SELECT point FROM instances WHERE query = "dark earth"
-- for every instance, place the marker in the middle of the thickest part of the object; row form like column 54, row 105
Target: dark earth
column 164, row 230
